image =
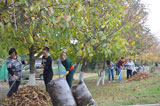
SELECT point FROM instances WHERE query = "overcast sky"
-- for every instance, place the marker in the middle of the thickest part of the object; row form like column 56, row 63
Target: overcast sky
column 154, row 16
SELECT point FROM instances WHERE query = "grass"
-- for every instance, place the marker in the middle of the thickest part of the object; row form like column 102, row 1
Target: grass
column 125, row 93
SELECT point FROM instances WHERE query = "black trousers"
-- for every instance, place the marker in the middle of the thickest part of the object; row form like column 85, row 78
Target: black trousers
column 14, row 87
column 129, row 73
column 47, row 78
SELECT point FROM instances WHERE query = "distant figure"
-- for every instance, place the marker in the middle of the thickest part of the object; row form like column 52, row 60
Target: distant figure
column 119, row 68
column 110, row 70
column 101, row 74
column 156, row 64
column 140, row 68
column 135, row 62
column 130, row 68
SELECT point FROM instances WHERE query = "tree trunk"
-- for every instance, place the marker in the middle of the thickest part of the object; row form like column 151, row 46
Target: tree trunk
column 32, row 66
column 84, row 65
column 104, row 66
column 79, row 60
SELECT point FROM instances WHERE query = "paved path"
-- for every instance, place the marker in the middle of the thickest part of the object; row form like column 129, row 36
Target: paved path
column 146, row 105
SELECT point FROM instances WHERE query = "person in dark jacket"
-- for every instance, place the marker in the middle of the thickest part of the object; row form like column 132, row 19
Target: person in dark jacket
column 119, row 68
column 14, row 64
column 69, row 68
column 47, row 65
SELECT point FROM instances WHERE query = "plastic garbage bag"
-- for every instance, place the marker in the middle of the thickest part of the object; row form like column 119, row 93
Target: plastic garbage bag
column 60, row 93
column 82, row 95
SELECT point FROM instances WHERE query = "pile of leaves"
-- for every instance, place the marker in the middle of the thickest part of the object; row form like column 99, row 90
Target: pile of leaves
column 140, row 76
column 28, row 96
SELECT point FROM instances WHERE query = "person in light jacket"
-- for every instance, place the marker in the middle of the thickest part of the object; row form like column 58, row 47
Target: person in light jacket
column 130, row 68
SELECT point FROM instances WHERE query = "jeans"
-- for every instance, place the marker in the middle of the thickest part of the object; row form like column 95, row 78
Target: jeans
column 119, row 74
column 14, row 88
column 111, row 72
column 69, row 78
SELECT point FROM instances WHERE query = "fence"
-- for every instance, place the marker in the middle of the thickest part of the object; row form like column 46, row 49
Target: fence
column 3, row 70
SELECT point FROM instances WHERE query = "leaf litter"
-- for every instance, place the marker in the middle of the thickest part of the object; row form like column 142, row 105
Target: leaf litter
column 140, row 76
column 28, row 96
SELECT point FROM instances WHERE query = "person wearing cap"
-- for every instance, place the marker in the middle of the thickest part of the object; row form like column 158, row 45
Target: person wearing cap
column 69, row 68
column 14, row 64
column 47, row 65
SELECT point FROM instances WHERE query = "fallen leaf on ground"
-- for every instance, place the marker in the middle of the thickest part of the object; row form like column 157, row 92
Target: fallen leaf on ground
column 28, row 96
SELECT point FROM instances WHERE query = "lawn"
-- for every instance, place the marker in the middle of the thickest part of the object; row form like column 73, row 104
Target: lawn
column 125, row 93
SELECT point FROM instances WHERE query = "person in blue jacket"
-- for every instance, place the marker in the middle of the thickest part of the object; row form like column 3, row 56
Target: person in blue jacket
column 69, row 68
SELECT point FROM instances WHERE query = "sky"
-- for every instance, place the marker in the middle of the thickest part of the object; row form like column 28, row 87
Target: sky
column 154, row 16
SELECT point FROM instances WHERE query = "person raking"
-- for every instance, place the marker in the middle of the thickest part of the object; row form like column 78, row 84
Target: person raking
column 14, row 65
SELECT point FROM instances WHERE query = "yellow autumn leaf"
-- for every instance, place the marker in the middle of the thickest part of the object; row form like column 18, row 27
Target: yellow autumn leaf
column 133, row 43
column 31, row 38
column 107, row 14
column 32, row 18
column 90, row 55
column 81, row 52
column 78, row 5
column 43, row 38
column 102, row 26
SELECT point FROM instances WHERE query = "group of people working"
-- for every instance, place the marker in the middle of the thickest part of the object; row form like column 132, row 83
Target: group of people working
column 14, row 64
column 111, row 67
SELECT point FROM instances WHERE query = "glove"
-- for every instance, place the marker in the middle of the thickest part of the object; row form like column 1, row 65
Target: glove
column 67, row 72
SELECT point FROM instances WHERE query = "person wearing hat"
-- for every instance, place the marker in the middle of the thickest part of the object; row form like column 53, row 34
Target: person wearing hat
column 69, row 68
column 14, row 64
column 47, row 65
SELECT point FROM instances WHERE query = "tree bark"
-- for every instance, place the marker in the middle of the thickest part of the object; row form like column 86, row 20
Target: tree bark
column 84, row 66
column 77, row 64
column 32, row 66
column 104, row 66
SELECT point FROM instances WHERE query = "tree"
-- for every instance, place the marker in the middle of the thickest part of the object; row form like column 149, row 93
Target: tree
column 84, row 28
column 30, row 25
